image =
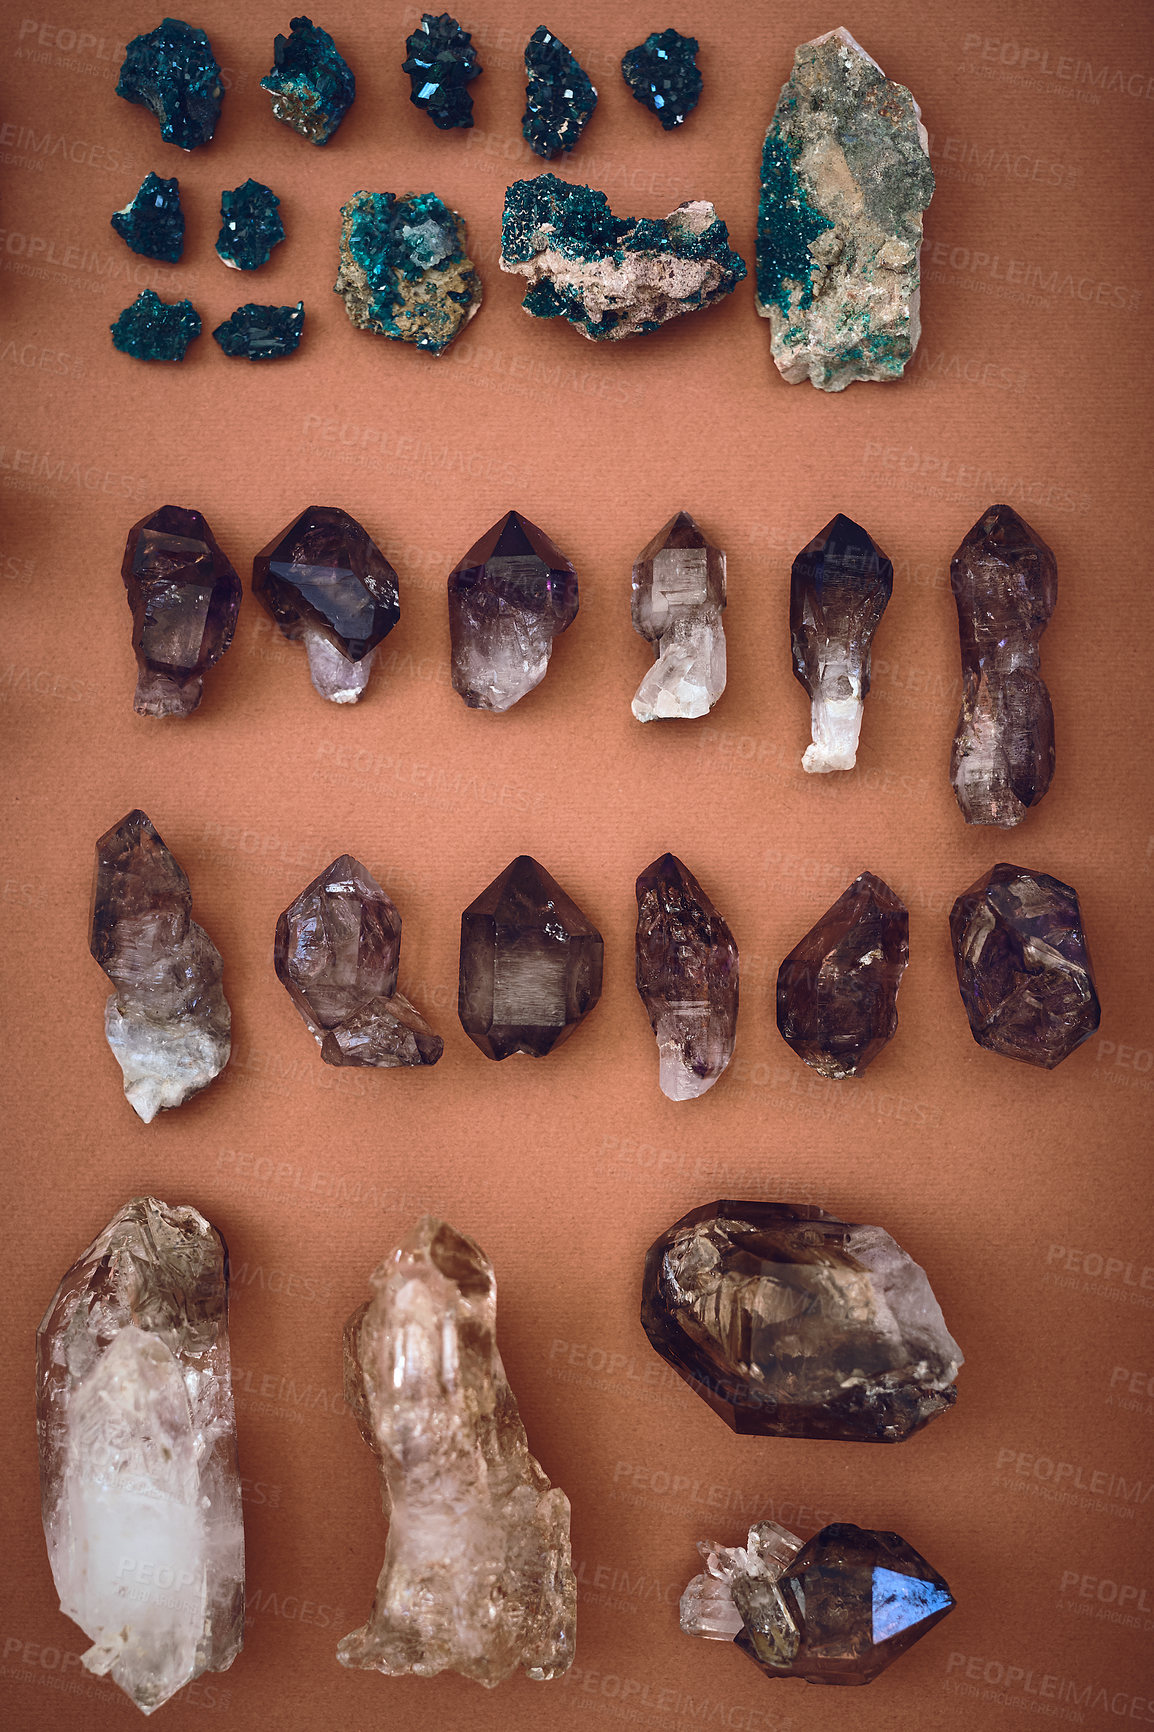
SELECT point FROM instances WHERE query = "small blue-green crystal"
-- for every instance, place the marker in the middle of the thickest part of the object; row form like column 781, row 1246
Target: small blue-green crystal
column 156, row 330
column 250, row 226
column 559, row 96
column 153, row 224
column 663, row 76
column 311, row 84
column 173, row 71
column 404, row 271
column 441, row 62
column 262, row 333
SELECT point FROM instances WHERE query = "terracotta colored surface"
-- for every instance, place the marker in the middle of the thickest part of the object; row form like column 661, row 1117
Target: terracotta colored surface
column 1024, row 1194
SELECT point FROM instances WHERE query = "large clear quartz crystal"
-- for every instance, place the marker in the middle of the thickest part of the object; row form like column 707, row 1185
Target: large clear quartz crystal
column 678, row 597
column 687, row 975
column 477, row 1576
column 139, row 1481
column 840, row 587
column 509, row 597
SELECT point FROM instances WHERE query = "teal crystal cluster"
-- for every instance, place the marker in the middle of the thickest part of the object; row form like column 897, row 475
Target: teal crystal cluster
column 404, row 272
column 153, row 223
column 311, row 84
column 559, row 96
column 173, row 71
column 155, row 330
column 441, row 61
column 262, row 333
column 250, row 226
column 663, row 76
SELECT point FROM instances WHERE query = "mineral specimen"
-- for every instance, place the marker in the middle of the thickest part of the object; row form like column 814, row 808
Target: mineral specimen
column 441, row 62
column 611, row 276
column 845, row 176
column 840, row 587
column 140, row 1489
column 336, row 953
column 153, row 223
column 250, row 226
column 185, row 598
column 678, row 597
column 404, row 271
column 155, row 330
column 559, row 96
column 837, row 991
column 173, row 71
column 477, row 1576
column 530, row 964
column 1023, row 967
column 837, row 1610
column 311, row 84
column 509, row 597
column 791, row 1323
column 1005, row 582
column 662, row 74
column 262, row 333
column 687, row 977
column 328, row 585
column 168, row 1020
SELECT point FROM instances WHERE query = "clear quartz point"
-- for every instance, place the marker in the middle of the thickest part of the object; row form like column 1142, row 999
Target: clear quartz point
column 678, row 599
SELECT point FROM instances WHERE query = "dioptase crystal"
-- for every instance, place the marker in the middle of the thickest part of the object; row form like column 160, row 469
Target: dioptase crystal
column 477, row 1577
column 185, row 598
column 509, row 597
column 173, row 71
column 531, row 964
column 837, row 990
column 845, row 177
column 404, row 270
column 328, row 585
column 789, row 1322
column 250, row 226
column 140, row 1488
column 840, row 587
column 168, row 1020
column 1023, row 966
column 155, row 330
column 152, row 224
column 259, row 333
column 1005, row 582
column 336, row 953
column 311, row 84
column 678, row 598
column 663, row 76
column 687, row 975
column 441, row 61
column 610, row 276
column 559, row 96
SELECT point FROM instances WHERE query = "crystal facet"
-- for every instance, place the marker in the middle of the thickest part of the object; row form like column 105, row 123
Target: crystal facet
column 250, row 226
column 441, row 62
column 1023, row 967
column 530, row 964
column 840, row 587
column 678, row 597
column 173, row 71
column 140, row 1488
column 155, row 330
column 845, row 177
column 336, row 953
column 559, row 96
column 153, row 223
column 791, row 1323
column 509, row 597
column 168, row 1020
column 404, row 270
column 259, row 333
column 610, row 276
column 185, row 598
column 311, row 84
column 477, row 1576
column 663, row 76
column 687, row 977
column 1005, row 582
column 837, row 991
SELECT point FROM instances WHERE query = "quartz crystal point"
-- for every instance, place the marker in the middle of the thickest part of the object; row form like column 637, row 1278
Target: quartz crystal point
column 845, row 177
column 559, row 96
column 687, row 977
column 837, row 991
column 140, row 1488
column 530, row 964
column 441, row 62
column 678, row 597
column 477, row 1577
column 311, row 84
column 837, row 1610
column 168, row 1020
column 185, row 597
column 612, row 277
column 328, row 585
column 404, row 271
column 153, row 223
column 155, row 330
column 791, row 1323
column 1005, row 582
column 840, row 587
column 663, row 76
column 1023, row 966
column 336, row 953
column 509, row 597
column 173, row 71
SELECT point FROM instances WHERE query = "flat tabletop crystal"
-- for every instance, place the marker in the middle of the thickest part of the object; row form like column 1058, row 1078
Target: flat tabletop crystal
column 687, row 975
column 837, row 990
column 311, row 84
column 840, row 587
column 185, row 598
column 173, row 71
column 678, row 598
column 509, row 597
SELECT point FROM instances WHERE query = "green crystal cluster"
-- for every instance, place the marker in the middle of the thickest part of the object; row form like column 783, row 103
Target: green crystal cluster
column 311, row 83
column 404, row 271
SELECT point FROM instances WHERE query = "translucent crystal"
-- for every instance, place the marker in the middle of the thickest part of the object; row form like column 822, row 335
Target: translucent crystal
column 678, row 598
column 837, row 991
column 708, row 1607
column 840, row 587
column 687, row 973
column 509, row 597
column 185, row 598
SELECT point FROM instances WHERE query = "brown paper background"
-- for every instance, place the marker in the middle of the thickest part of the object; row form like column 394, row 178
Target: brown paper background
column 1022, row 1193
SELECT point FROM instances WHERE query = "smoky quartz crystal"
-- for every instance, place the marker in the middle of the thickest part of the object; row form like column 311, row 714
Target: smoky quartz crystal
column 840, row 587
column 509, row 597
column 687, row 974
column 837, row 991
column 185, row 598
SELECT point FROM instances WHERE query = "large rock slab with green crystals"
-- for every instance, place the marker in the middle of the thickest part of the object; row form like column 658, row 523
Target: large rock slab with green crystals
column 404, row 270
column 845, row 177
column 610, row 276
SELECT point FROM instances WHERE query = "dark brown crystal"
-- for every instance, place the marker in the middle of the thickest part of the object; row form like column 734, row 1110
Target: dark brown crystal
column 509, row 597
column 837, row 990
column 185, row 597
column 687, row 974
column 840, row 587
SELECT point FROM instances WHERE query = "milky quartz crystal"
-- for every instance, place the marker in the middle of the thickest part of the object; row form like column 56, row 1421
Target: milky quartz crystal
column 687, row 975
column 840, row 587
column 678, row 598
column 477, row 1576
column 139, row 1482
